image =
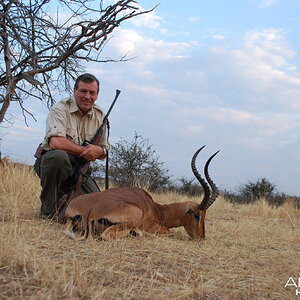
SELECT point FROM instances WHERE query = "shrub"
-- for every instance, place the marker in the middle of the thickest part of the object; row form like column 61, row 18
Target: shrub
column 134, row 163
column 252, row 191
column 187, row 187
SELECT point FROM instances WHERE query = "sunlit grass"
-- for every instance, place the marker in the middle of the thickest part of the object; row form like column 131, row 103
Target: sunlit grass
column 249, row 253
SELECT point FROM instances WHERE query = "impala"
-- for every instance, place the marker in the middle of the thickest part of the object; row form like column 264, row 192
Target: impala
column 119, row 212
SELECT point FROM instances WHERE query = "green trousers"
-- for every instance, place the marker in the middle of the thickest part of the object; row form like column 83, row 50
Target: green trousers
column 53, row 168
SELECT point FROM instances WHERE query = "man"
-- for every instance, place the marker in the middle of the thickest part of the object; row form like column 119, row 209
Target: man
column 69, row 123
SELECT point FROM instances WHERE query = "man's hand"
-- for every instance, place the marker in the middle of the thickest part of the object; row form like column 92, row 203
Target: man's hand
column 91, row 152
column 62, row 143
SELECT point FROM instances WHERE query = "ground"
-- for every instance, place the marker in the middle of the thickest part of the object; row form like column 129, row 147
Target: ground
column 250, row 252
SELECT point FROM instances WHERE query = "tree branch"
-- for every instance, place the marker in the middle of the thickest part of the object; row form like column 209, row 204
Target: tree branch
column 39, row 50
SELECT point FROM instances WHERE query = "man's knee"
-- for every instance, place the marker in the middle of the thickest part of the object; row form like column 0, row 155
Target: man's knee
column 56, row 159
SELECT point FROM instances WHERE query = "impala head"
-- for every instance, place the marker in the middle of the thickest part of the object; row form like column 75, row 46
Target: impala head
column 195, row 226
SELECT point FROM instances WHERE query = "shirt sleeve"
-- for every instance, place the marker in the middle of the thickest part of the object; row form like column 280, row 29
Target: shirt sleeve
column 56, row 123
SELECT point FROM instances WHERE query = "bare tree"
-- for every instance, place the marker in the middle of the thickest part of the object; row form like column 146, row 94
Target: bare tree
column 39, row 51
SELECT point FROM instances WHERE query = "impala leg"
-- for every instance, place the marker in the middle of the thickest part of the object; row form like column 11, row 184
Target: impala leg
column 91, row 229
column 119, row 231
column 156, row 228
column 69, row 230
column 69, row 225
column 84, row 230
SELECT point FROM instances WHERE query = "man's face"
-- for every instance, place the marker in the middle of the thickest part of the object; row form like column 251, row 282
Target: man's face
column 85, row 95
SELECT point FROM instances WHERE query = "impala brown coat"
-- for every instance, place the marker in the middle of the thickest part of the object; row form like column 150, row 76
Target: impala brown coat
column 122, row 211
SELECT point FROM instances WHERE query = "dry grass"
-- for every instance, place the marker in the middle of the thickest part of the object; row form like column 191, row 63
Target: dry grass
column 250, row 253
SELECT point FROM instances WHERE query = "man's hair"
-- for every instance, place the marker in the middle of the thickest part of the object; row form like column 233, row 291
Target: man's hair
column 87, row 78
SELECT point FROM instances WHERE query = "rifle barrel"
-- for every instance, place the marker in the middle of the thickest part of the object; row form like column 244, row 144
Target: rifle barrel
column 99, row 131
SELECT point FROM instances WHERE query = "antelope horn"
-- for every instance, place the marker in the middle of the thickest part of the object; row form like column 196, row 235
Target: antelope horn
column 200, row 179
column 215, row 191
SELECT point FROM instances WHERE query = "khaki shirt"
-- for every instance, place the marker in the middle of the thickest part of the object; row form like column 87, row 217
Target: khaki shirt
column 66, row 120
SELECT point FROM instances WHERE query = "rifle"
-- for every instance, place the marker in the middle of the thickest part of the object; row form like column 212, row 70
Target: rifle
column 71, row 188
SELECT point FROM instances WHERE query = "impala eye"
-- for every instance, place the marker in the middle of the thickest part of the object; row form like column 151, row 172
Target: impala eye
column 197, row 216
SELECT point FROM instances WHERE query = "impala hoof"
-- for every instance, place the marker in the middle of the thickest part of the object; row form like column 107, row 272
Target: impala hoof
column 136, row 232
column 70, row 234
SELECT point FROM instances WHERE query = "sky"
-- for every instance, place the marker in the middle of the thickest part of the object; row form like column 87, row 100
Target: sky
column 224, row 74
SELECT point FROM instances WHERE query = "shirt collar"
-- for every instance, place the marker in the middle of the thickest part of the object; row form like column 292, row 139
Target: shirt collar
column 74, row 107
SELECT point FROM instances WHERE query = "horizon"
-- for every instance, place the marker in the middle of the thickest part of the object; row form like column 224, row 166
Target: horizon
column 225, row 75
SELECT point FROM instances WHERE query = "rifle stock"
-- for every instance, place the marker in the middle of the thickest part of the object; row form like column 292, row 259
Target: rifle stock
column 71, row 188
